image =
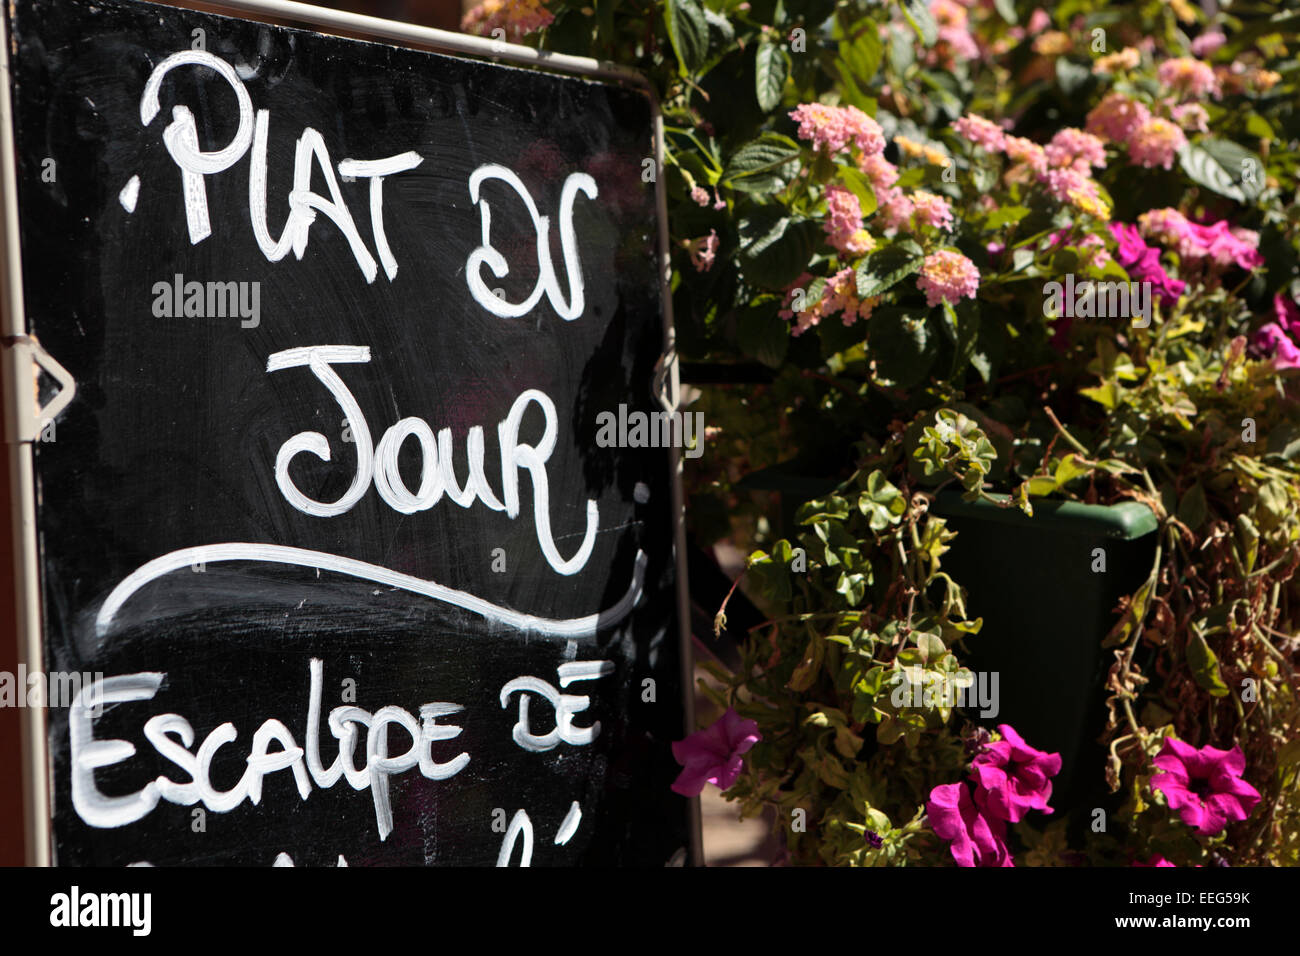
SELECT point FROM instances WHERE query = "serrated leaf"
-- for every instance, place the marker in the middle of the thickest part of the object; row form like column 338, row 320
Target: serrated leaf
column 861, row 58
column 919, row 16
column 688, row 32
column 857, row 183
column 771, row 67
column 763, row 334
column 1224, row 167
column 777, row 251
column 884, row 268
column 763, row 164
column 900, row 342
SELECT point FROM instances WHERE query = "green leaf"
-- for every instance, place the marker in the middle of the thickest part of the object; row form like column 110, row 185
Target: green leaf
column 1069, row 468
column 1071, row 77
column 919, row 16
column 1204, row 665
column 861, row 59
column 806, row 671
column 1007, row 9
column 859, row 185
column 1192, row 510
column 887, row 266
column 1005, row 216
column 688, row 32
column 882, row 503
column 776, row 251
column 763, row 164
column 763, row 334
column 900, row 342
column 1224, row 167
column 1259, row 127
column 771, row 67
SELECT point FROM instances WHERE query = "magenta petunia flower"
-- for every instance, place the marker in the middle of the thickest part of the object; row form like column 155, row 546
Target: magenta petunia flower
column 975, row 840
column 1142, row 262
column 1205, row 785
column 1013, row 778
column 1156, row 860
column 713, row 755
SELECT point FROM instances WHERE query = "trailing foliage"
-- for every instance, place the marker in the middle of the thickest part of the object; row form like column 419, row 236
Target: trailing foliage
column 870, row 200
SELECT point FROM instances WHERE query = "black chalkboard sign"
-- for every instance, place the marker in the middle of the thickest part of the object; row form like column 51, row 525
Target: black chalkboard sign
column 326, row 525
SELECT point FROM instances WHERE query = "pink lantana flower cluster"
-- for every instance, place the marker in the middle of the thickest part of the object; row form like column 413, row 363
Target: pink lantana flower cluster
column 840, row 295
column 843, row 225
column 835, row 128
column 1217, row 244
column 948, row 276
column 1063, row 166
column 1151, row 140
column 1010, row 779
column 1189, row 77
column 517, row 17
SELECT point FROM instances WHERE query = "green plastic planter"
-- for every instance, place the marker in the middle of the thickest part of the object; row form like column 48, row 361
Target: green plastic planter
column 1045, row 614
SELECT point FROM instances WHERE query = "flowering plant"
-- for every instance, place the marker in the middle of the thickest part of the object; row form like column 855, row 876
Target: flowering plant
column 880, row 209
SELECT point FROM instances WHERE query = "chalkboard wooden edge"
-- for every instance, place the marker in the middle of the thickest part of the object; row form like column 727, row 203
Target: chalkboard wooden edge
column 19, row 351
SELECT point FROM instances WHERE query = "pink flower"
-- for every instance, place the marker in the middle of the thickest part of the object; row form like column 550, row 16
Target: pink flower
column 954, row 40
column 703, row 251
column 1272, row 341
column 1116, row 117
column 1142, row 263
column 1068, row 184
column 1286, row 312
column 844, row 222
column 1013, row 778
column 893, row 209
column 1028, row 152
column 981, row 132
column 1204, row 786
column 1155, row 143
column 833, row 128
column 879, row 170
column 840, row 295
column 1156, row 860
column 931, row 210
column 699, row 196
column 1038, row 22
column 1218, row 243
column 1207, row 43
column 515, row 17
column 1276, row 339
column 714, row 755
column 1189, row 76
column 974, row 839
column 1074, row 147
column 946, row 277
column 1191, row 116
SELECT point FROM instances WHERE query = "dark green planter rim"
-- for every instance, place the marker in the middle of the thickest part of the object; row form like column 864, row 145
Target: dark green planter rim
column 1126, row 521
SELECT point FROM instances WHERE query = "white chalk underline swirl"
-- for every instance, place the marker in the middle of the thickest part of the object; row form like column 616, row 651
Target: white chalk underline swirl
column 302, row 557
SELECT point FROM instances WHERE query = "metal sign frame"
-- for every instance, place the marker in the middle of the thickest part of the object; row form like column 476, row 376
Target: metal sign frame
column 23, row 359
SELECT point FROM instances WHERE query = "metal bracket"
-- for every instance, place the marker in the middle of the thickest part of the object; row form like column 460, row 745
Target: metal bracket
column 29, row 426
